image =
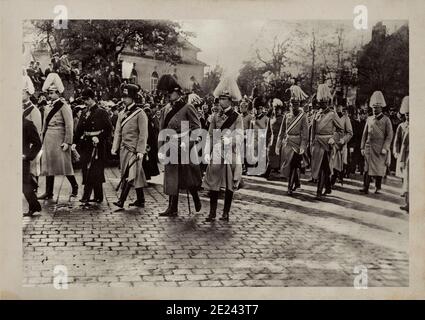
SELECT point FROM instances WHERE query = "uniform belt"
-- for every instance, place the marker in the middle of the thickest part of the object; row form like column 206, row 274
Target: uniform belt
column 92, row 133
column 325, row 135
column 293, row 135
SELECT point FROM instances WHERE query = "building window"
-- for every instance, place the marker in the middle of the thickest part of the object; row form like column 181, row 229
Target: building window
column 154, row 80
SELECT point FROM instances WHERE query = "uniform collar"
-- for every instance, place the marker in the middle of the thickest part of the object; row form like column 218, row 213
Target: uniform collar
column 379, row 116
column 130, row 107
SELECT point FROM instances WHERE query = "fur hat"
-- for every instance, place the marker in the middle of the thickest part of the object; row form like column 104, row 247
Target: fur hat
column 168, row 84
column 130, row 90
column 87, row 93
column 377, row 100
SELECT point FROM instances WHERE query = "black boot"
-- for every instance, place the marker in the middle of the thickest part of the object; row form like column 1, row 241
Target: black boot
column 228, row 196
column 140, row 202
column 98, row 193
column 378, row 185
column 196, row 200
column 50, row 182
column 320, row 184
column 74, row 185
column 291, row 181
column 213, row 206
column 366, row 183
column 171, row 211
column 87, row 193
column 124, row 193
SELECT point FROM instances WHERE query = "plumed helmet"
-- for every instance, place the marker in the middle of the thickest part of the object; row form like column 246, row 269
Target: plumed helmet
column 377, row 100
column 404, row 105
column 53, row 82
column 28, row 85
column 297, row 93
column 323, row 93
column 228, row 88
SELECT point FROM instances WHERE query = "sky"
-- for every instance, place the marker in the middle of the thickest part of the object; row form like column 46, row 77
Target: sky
column 230, row 42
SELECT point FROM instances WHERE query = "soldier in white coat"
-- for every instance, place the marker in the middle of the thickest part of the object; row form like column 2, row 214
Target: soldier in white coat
column 376, row 143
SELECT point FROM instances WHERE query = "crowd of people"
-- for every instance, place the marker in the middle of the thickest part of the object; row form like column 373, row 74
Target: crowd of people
column 97, row 119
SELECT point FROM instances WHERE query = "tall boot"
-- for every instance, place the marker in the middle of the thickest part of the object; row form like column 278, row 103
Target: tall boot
column 50, row 182
column 213, row 206
column 140, row 201
column 228, row 196
column 74, row 185
column 297, row 182
column 171, row 211
column 87, row 193
column 196, row 200
column 98, row 192
column 291, row 181
column 320, row 184
column 124, row 193
column 378, row 184
column 366, row 183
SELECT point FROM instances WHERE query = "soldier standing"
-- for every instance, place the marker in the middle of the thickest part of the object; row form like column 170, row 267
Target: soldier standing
column 376, row 143
column 224, row 170
column 325, row 124
column 57, row 137
column 131, row 135
column 292, row 143
column 180, row 175
column 92, row 133
column 340, row 152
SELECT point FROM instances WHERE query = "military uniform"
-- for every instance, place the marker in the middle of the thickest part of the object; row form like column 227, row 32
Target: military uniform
column 325, row 124
column 94, row 123
column 31, row 112
column 292, row 137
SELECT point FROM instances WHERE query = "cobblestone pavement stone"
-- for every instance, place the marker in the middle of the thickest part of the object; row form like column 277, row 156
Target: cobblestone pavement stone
column 271, row 239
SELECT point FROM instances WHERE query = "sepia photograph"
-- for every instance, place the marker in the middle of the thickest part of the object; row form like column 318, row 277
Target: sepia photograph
column 215, row 153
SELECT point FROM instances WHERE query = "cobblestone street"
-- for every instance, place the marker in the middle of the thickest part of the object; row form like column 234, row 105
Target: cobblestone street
column 270, row 240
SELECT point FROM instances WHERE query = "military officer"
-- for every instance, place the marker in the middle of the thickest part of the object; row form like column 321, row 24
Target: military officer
column 178, row 175
column 130, row 137
column 224, row 170
column 292, row 143
column 339, row 154
column 57, row 137
column 92, row 133
column 325, row 124
column 376, row 143
column 403, row 156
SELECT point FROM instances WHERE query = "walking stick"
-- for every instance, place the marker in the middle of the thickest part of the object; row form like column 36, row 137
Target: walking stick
column 126, row 172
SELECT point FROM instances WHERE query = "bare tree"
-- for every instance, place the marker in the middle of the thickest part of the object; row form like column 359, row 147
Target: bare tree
column 278, row 56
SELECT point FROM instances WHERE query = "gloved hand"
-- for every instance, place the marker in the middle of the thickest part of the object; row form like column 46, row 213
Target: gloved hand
column 395, row 155
column 384, row 151
column 302, row 151
column 362, row 152
column 113, row 152
column 139, row 156
column 331, row 141
column 73, row 147
column 64, row 147
column 95, row 140
column 161, row 156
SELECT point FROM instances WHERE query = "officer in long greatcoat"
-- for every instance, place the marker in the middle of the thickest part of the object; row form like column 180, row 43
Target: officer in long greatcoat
column 91, row 136
column 57, row 137
column 292, row 143
column 325, row 124
column 376, row 143
column 224, row 171
column 130, row 137
column 180, row 118
column 339, row 154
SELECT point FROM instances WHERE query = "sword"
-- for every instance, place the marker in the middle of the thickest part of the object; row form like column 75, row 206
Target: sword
column 126, row 172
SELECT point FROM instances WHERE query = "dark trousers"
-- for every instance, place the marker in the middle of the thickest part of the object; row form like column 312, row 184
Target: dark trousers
column 366, row 181
column 29, row 187
column 324, row 175
column 89, row 188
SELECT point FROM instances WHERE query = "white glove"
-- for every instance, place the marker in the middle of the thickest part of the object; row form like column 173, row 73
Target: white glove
column 64, row 147
column 331, row 141
column 139, row 155
column 226, row 140
column 341, row 141
column 73, row 147
column 161, row 156
column 301, row 151
column 362, row 152
column 95, row 140
column 395, row 155
column 384, row 151
column 113, row 152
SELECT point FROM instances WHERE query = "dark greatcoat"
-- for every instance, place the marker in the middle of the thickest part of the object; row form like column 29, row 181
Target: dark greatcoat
column 93, row 119
column 180, row 176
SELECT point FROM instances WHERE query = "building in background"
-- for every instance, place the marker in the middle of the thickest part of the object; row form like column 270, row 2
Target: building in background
column 147, row 69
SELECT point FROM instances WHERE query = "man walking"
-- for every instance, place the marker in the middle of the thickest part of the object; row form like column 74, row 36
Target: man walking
column 91, row 136
column 130, row 137
column 376, row 143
